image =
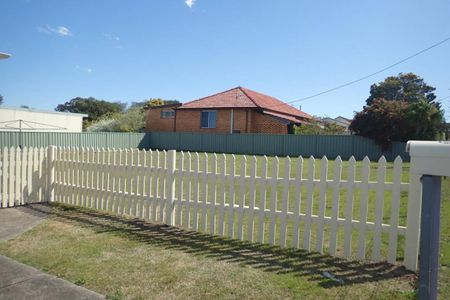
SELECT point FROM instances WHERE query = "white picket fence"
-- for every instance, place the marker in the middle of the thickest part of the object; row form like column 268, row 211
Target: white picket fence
column 280, row 201
column 23, row 176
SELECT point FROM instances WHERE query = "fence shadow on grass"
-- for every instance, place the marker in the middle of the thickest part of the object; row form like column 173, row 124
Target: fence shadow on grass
column 268, row 258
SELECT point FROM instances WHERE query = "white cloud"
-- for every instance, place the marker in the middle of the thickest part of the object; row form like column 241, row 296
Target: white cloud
column 189, row 3
column 84, row 69
column 111, row 37
column 63, row 31
column 60, row 30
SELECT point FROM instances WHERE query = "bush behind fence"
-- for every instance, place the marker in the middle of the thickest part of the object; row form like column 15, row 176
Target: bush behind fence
column 258, row 144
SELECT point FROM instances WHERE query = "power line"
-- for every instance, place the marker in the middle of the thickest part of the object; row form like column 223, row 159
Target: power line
column 372, row 74
column 447, row 97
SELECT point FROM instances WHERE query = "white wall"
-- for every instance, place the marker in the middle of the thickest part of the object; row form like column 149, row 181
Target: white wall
column 49, row 121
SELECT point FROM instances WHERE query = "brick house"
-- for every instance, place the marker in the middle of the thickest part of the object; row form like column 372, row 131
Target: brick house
column 238, row 110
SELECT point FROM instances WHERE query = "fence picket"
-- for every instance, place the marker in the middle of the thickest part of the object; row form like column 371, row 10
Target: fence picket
column 242, row 189
column 35, row 176
column 5, row 177
column 161, row 182
column 104, row 179
column 179, row 189
column 18, row 192
column 222, row 175
column 63, row 173
column 150, row 173
column 108, row 180
column 285, row 201
column 363, row 208
column 147, row 185
column 74, row 166
column 204, row 192
column 322, row 203
column 29, row 175
column 335, row 205
column 188, row 191
column 231, row 200
column 12, row 176
column 381, row 175
column 212, row 194
column 349, row 208
column 116, row 181
column 252, row 192
column 134, row 184
column 273, row 200
column 196, row 190
column 309, row 204
column 395, row 210
column 262, row 203
column 297, row 202
column 23, row 183
column 83, row 176
column 155, row 184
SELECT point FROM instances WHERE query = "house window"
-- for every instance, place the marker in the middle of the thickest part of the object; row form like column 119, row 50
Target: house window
column 208, row 119
column 167, row 114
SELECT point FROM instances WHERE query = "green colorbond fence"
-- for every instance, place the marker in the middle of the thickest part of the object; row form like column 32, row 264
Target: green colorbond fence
column 258, row 144
column 281, row 145
column 83, row 139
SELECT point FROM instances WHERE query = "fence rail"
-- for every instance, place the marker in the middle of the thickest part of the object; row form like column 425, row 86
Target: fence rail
column 343, row 208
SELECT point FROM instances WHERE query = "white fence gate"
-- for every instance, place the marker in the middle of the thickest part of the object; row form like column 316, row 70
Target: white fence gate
column 349, row 209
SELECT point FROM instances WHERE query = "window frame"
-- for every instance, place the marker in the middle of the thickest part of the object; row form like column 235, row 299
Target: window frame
column 162, row 116
column 209, row 126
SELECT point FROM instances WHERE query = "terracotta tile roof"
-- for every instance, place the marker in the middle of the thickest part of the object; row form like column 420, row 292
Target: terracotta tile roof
column 285, row 117
column 233, row 98
column 240, row 97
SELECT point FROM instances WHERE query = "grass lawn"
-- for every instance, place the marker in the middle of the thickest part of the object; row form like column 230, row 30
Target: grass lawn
column 129, row 259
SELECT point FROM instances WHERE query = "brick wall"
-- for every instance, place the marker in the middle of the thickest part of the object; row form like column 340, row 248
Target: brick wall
column 188, row 120
column 154, row 122
column 265, row 124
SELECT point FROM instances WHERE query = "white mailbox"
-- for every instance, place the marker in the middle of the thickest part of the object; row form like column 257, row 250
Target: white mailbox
column 429, row 157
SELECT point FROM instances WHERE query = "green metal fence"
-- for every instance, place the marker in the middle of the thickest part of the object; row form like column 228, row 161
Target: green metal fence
column 82, row 139
column 281, row 145
column 258, row 144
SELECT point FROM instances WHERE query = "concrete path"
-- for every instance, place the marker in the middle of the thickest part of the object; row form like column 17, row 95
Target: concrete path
column 14, row 221
column 18, row 281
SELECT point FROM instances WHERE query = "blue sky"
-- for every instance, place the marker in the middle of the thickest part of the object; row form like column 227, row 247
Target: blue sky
column 176, row 49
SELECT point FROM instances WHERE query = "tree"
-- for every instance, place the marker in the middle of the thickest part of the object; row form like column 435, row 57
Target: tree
column 382, row 121
column 405, row 87
column 317, row 128
column 400, row 108
column 133, row 120
column 1, row 99
column 386, row 121
column 92, row 107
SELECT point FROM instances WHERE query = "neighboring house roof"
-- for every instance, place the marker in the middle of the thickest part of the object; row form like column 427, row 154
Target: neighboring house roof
column 343, row 120
column 164, row 106
column 340, row 121
column 43, row 111
column 240, row 97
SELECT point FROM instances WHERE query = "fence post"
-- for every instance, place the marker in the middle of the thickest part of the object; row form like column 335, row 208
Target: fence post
column 431, row 160
column 51, row 173
column 170, row 186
